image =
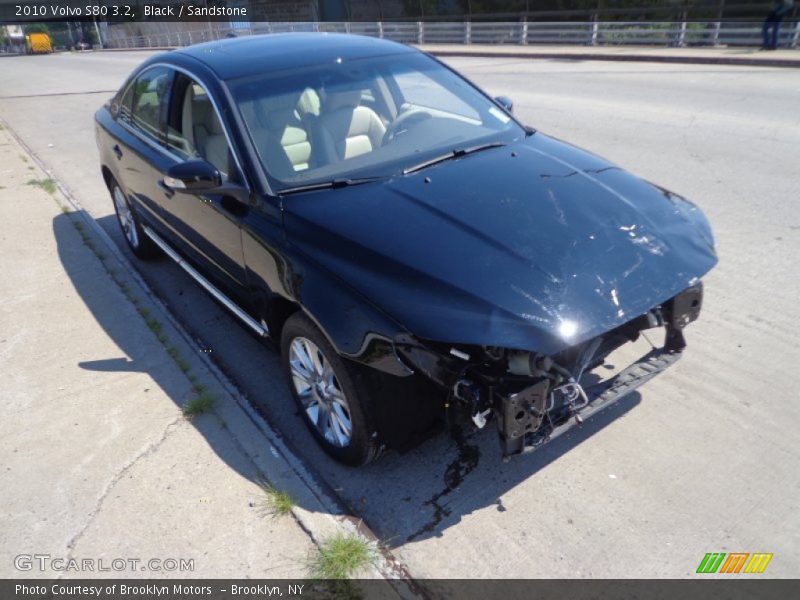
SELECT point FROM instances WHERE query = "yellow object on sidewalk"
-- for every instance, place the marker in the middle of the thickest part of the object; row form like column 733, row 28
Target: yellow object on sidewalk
column 39, row 43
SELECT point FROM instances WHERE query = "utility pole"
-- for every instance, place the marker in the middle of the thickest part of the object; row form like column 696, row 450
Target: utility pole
column 97, row 31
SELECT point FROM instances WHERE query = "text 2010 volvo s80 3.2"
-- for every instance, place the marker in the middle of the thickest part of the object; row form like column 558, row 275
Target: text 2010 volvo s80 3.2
column 415, row 251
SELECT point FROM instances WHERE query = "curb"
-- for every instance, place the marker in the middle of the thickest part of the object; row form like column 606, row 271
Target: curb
column 698, row 60
column 283, row 463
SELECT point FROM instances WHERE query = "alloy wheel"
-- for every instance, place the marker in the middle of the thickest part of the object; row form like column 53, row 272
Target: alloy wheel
column 125, row 216
column 320, row 392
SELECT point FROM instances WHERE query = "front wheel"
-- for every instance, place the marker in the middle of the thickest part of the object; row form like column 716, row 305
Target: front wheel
column 331, row 393
column 138, row 241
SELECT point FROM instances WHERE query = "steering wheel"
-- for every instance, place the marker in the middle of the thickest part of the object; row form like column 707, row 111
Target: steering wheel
column 404, row 122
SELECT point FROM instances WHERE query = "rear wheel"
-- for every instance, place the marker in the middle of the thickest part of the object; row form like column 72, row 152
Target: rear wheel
column 138, row 241
column 331, row 392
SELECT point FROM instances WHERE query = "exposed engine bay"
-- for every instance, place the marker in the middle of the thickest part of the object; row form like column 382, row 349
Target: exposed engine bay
column 533, row 397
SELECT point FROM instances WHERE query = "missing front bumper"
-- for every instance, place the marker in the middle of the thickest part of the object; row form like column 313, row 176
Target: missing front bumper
column 525, row 423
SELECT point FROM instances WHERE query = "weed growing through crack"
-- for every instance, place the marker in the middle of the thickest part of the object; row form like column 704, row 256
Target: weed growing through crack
column 157, row 328
column 181, row 363
column 48, row 185
column 200, row 404
column 341, row 557
column 276, row 502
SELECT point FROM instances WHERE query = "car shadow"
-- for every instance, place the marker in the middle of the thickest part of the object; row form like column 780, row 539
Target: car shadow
column 113, row 314
column 402, row 497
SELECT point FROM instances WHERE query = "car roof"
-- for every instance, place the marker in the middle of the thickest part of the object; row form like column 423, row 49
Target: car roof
column 251, row 55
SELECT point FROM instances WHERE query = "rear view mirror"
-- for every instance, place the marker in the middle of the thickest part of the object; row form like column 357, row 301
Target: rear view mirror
column 505, row 102
column 194, row 176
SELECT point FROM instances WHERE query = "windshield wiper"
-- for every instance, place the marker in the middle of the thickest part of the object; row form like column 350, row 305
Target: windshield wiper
column 325, row 185
column 456, row 153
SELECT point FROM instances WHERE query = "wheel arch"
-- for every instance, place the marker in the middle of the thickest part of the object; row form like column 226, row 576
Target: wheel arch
column 356, row 329
column 108, row 176
column 278, row 311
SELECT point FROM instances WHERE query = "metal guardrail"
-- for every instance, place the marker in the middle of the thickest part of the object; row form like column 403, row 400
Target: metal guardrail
column 616, row 33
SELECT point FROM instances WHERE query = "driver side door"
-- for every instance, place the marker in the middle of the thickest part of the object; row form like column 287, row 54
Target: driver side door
column 206, row 228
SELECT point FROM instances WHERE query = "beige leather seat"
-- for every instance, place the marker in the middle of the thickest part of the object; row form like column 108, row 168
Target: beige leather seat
column 283, row 123
column 348, row 129
column 280, row 133
column 209, row 136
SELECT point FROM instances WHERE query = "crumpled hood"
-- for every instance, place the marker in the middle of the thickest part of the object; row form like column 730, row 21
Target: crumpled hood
column 534, row 246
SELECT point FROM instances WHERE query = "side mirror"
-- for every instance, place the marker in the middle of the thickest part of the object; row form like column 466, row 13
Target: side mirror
column 505, row 102
column 193, row 177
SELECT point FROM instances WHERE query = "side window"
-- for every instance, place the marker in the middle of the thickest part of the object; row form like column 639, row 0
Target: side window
column 193, row 126
column 142, row 102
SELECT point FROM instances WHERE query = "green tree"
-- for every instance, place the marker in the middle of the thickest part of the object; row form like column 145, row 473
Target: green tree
column 36, row 28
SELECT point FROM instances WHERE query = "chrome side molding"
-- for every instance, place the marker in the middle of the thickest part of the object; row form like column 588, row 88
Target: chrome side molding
column 259, row 328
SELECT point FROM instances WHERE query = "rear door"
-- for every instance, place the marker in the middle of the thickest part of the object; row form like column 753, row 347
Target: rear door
column 140, row 151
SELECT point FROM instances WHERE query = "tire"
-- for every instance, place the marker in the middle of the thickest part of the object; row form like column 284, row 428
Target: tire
column 343, row 391
column 138, row 241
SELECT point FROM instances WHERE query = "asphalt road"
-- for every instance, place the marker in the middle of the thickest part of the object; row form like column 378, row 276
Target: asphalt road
column 704, row 459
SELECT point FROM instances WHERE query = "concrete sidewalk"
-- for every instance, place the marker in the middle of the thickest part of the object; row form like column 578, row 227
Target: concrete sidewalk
column 719, row 56
column 98, row 461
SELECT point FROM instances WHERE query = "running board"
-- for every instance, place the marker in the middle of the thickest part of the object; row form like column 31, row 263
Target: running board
column 259, row 328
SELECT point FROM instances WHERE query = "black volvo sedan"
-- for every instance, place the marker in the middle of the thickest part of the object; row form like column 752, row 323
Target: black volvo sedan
column 416, row 252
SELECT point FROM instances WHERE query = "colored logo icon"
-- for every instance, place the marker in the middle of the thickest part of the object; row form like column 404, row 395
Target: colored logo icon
column 735, row 562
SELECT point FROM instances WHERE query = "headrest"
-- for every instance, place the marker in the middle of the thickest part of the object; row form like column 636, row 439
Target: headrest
column 277, row 112
column 204, row 114
column 309, row 102
column 336, row 99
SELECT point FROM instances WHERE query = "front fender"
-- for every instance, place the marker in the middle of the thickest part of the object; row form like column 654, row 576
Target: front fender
column 357, row 329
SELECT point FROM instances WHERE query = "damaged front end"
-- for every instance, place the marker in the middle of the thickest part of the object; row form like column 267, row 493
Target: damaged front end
column 534, row 397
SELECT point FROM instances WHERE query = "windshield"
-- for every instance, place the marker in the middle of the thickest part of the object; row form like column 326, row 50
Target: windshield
column 366, row 118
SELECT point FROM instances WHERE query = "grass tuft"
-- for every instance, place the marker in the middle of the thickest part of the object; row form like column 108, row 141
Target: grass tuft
column 200, row 404
column 341, row 557
column 155, row 326
column 48, row 185
column 277, row 503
